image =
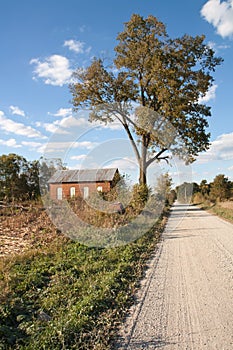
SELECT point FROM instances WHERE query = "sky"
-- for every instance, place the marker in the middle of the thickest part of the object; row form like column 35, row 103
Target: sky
column 44, row 41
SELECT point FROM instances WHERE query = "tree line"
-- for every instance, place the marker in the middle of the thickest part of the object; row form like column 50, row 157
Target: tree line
column 21, row 179
column 220, row 189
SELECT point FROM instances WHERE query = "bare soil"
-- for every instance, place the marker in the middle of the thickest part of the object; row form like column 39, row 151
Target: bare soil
column 186, row 298
column 24, row 228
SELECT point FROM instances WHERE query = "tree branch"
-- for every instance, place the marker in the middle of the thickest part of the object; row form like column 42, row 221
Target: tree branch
column 133, row 143
column 157, row 157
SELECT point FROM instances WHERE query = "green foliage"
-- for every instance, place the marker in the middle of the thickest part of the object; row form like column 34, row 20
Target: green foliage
column 163, row 188
column 204, row 188
column 18, row 178
column 171, row 197
column 139, row 196
column 165, row 77
column 69, row 296
column 220, row 188
column 21, row 179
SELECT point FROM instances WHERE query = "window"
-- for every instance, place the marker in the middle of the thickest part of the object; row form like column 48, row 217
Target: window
column 100, row 189
column 72, row 192
column 85, row 192
column 59, row 193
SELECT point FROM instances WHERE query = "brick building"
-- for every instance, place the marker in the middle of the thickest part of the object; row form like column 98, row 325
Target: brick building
column 82, row 182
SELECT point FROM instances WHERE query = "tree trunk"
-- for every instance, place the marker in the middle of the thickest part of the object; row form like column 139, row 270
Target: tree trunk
column 142, row 177
column 143, row 166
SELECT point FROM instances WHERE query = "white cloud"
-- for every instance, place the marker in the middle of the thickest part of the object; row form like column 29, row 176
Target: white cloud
column 71, row 121
column 230, row 168
column 61, row 146
column 54, row 70
column 31, row 144
column 11, row 126
column 54, row 128
column 220, row 149
column 16, row 110
column 77, row 46
column 217, row 47
column 74, row 45
column 60, row 126
column 84, row 144
column 110, row 126
column 125, row 163
column 34, row 146
column 220, row 15
column 10, row 143
column 62, row 112
column 80, row 157
column 210, row 95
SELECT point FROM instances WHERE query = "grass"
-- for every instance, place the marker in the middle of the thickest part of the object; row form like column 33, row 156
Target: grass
column 68, row 296
column 225, row 213
column 221, row 209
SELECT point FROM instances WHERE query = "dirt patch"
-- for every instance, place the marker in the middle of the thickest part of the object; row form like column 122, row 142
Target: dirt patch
column 22, row 229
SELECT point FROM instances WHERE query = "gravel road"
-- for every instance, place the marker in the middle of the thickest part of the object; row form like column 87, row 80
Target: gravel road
column 186, row 298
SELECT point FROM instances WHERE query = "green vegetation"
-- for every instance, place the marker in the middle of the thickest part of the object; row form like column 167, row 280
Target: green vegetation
column 22, row 180
column 68, row 296
column 226, row 213
column 64, row 295
column 219, row 190
column 215, row 196
column 221, row 209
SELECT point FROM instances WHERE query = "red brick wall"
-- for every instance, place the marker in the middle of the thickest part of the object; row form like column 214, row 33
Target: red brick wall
column 106, row 186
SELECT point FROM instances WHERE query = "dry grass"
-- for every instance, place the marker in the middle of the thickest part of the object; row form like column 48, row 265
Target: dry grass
column 226, row 205
column 25, row 228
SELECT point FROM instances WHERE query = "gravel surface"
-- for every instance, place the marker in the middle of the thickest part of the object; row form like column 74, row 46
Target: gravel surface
column 186, row 298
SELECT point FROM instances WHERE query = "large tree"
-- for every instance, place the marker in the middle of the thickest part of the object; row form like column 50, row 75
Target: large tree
column 220, row 188
column 164, row 78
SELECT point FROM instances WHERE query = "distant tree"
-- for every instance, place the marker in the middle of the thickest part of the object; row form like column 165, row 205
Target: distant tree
column 220, row 188
column 47, row 167
column 13, row 177
column 172, row 196
column 21, row 179
column 164, row 78
column 186, row 191
column 163, row 187
column 204, row 188
column 33, row 179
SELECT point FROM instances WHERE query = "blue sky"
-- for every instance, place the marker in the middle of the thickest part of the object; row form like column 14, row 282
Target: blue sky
column 44, row 41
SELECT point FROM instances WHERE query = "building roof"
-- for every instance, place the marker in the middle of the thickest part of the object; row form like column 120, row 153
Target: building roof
column 83, row 175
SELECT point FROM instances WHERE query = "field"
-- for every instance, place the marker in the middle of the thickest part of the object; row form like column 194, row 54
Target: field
column 24, row 227
column 222, row 209
column 226, row 205
column 59, row 294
